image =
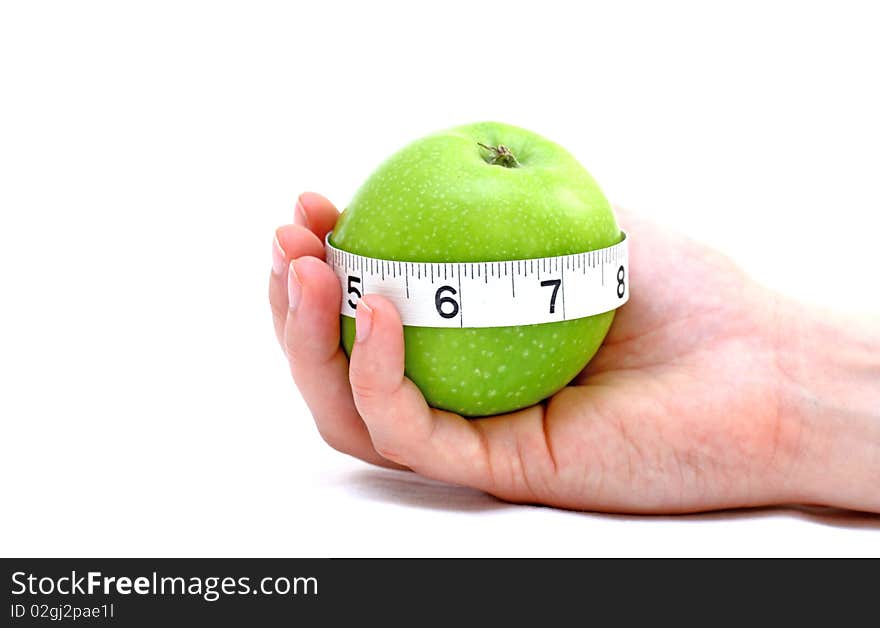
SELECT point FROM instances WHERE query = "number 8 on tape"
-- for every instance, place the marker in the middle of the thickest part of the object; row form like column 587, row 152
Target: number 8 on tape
column 488, row 294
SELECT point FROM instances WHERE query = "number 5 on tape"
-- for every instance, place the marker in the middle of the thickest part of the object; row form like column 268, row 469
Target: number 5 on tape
column 488, row 294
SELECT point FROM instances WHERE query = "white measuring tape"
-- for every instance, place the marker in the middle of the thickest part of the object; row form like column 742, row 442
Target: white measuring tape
column 488, row 294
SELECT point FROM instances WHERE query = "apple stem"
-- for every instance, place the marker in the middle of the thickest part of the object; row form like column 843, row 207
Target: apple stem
column 501, row 155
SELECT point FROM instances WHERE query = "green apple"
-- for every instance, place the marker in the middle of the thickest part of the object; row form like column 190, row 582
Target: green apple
column 483, row 192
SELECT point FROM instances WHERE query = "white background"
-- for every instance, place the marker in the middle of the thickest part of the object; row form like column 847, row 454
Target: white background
column 147, row 151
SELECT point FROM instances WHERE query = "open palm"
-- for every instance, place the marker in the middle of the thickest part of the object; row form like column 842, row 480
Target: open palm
column 678, row 412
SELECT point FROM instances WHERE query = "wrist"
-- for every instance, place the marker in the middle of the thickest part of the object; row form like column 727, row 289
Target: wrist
column 830, row 388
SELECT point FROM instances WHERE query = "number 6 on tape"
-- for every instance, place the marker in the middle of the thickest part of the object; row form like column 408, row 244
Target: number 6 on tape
column 488, row 294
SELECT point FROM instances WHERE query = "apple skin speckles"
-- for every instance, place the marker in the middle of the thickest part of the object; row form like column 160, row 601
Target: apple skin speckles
column 439, row 200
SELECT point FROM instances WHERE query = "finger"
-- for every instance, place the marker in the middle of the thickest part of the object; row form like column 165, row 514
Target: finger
column 316, row 213
column 291, row 242
column 313, row 215
column 318, row 365
column 437, row 444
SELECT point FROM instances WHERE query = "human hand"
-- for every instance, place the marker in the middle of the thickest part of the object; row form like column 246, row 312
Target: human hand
column 689, row 404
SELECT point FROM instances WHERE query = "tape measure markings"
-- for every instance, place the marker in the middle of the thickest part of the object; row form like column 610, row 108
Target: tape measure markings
column 540, row 290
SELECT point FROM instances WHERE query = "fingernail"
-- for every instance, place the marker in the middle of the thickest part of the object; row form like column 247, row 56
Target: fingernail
column 294, row 287
column 363, row 321
column 278, row 257
column 299, row 215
